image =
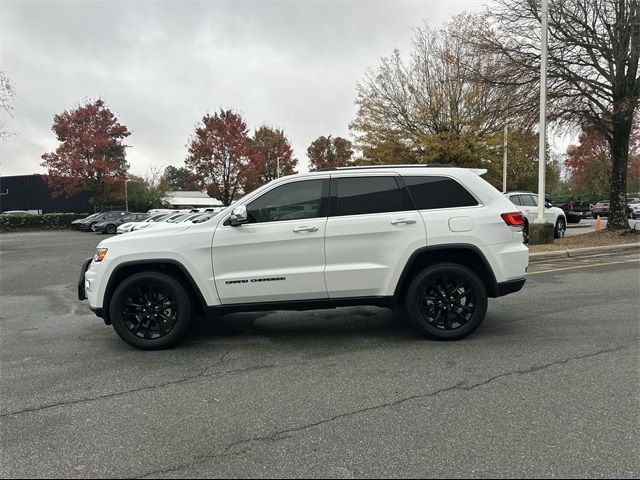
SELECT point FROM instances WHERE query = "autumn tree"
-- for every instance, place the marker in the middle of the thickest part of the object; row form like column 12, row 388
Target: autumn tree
column 218, row 154
column 91, row 154
column 180, row 178
column 327, row 152
column 589, row 164
column 6, row 98
column 271, row 158
column 430, row 107
column 593, row 80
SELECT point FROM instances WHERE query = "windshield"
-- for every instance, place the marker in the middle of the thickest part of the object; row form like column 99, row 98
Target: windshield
column 159, row 218
column 179, row 218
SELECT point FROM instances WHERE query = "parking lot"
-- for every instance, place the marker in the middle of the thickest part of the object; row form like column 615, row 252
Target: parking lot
column 548, row 386
column 588, row 225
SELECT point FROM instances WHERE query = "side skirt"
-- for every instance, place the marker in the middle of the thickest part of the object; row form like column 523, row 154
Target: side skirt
column 300, row 305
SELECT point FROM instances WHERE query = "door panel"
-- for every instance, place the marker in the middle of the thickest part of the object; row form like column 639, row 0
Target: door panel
column 267, row 262
column 279, row 255
column 366, row 253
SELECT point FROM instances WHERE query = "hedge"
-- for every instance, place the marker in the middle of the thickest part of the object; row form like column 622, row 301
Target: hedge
column 48, row 221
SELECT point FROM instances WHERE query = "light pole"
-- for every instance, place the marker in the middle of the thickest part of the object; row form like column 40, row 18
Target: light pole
column 126, row 196
column 542, row 141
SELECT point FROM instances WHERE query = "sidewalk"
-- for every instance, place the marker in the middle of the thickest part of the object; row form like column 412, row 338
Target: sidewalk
column 582, row 252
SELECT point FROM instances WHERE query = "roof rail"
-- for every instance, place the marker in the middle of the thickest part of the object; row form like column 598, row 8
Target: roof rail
column 365, row 167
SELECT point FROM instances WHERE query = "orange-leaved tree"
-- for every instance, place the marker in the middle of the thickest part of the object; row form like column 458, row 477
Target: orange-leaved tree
column 91, row 154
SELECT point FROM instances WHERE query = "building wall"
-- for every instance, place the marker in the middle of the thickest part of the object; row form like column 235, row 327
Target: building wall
column 31, row 192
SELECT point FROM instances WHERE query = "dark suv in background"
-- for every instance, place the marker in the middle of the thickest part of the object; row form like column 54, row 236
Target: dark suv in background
column 85, row 224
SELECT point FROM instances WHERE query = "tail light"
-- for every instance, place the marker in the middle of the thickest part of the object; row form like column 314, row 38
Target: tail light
column 570, row 206
column 514, row 220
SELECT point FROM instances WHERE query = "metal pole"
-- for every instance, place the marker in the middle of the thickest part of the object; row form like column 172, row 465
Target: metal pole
column 504, row 162
column 543, row 113
column 126, row 196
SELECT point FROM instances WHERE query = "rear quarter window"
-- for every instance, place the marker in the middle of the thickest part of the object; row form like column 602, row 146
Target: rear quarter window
column 433, row 192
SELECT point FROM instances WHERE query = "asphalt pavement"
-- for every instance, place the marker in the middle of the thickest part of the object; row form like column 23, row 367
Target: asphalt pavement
column 547, row 387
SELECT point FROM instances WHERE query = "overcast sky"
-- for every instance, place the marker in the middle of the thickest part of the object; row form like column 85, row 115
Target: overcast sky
column 161, row 65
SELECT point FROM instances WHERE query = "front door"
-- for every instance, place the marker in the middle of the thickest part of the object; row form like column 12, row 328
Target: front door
column 279, row 255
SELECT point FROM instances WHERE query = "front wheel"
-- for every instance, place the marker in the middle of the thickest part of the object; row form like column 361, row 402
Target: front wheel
column 561, row 228
column 110, row 229
column 150, row 310
column 446, row 301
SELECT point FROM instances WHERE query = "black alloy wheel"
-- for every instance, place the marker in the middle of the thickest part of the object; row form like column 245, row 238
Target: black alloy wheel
column 150, row 310
column 446, row 301
column 110, row 229
column 525, row 232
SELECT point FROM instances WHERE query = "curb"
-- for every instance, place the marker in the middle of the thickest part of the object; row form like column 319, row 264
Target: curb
column 584, row 252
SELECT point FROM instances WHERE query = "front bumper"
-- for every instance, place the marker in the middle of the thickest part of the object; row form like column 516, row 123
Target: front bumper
column 82, row 292
column 513, row 286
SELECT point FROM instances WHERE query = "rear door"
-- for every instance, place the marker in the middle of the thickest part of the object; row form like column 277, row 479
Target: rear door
column 373, row 229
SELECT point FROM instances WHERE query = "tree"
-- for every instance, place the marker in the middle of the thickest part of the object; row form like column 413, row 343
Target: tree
column 91, row 155
column 271, row 158
column 145, row 193
column 6, row 97
column 594, row 47
column 218, row 154
column 180, row 178
column 327, row 152
column 589, row 163
column 431, row 107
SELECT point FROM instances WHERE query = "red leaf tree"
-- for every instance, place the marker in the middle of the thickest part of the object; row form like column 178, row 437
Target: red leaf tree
column 589, row 164
column 327, row 152
column 218, row 154
column 271, row 158
column 91, row 155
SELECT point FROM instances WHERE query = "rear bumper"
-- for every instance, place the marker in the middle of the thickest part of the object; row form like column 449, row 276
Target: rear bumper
column 512, row 286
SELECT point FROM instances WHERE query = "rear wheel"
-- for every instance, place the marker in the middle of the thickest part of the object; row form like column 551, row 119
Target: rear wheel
column 561, row 228
column 446, row 301
column 150, row 310
column 110, row 229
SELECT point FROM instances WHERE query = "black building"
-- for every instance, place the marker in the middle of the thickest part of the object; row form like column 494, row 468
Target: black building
column 32, row 192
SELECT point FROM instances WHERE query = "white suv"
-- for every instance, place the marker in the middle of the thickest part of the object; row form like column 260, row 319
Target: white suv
column 437, row 240
column 527, row 203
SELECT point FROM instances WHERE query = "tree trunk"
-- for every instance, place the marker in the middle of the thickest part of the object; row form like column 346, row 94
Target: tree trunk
column 619, row 144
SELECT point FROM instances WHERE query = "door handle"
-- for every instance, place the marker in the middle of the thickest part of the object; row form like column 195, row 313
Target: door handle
column 408, row 221
column 305, row 229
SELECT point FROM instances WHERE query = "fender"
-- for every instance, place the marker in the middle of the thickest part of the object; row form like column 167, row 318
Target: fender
column 492, row 284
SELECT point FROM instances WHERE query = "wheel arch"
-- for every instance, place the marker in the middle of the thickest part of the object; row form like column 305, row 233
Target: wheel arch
column 462, row 254
column 170, row 267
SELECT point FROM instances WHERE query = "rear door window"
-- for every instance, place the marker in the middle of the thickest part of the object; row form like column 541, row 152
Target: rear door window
column 365, row 195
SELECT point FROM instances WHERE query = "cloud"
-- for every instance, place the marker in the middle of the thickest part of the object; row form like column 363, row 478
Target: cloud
column 162, row 65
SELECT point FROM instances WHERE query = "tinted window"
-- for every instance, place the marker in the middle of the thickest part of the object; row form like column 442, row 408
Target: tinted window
column 359, row 196
column 515, row 199
column 292, row 201
column 112, row 215
column 438, row 192
column 528, row 201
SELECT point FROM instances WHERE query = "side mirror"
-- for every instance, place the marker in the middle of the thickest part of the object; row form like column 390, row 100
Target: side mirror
column 238, row 216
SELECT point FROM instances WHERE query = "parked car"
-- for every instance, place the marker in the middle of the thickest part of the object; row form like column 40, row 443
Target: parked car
column 574, row 211
column 527, row 203
column 172, row 220
column 336, row 237
column 166, row 218
column 601, row 208
column 19, row 213
column 128, row 226
column 86, row 224
column 110, row 226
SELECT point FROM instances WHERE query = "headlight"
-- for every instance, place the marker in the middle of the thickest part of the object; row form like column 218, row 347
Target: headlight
column 100, row 254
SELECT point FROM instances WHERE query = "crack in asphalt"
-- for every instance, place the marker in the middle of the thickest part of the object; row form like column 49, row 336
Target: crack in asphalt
column 284, row 434
column 203, row 373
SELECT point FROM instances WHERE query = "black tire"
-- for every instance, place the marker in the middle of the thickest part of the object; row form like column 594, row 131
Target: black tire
column 110, row 229
column 525, row 232
column 460, row 286
column 560, row 229
column 141, row 318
